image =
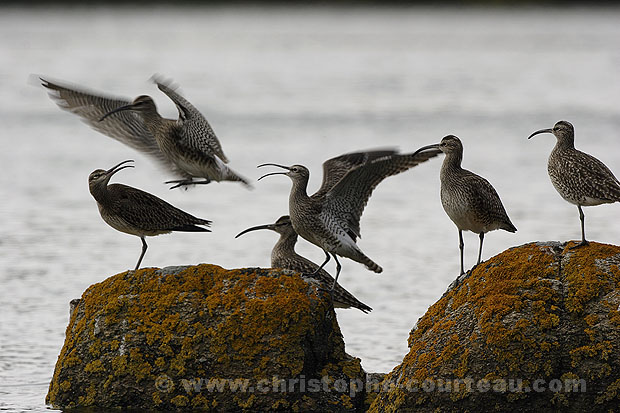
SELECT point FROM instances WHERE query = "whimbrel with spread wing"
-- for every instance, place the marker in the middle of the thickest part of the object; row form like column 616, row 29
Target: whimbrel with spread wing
column 330, row 218
column 186, row 146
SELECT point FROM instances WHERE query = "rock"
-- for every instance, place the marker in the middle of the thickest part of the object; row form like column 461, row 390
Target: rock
column 206, row 338
column 536, row 328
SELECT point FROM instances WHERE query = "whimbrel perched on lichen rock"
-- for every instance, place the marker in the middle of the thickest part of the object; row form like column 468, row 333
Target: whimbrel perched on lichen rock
column 470, row 201
column 579, row 178
column 187, row 146
column 283, row 255
column 136, row 212
column 330, row 219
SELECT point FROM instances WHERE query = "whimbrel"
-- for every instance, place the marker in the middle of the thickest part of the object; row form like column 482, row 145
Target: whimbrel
column 330, row 219
column 470, row 201
column 579, row 178
column 283, row 255
column 136, row 212
column 186, row 146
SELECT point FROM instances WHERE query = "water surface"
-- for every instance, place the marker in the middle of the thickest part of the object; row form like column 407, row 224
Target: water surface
column 292, row 86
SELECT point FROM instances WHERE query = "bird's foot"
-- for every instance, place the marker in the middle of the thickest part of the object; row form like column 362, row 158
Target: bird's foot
column 583, row 243
column 310, row 275
column 473, row 268
column 329, row 291
column 186, row 183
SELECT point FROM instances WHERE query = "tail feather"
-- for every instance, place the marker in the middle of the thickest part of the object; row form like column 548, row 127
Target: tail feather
column 344, row 299
column 193, row 228
column 233, row 176
column 370, row 264
column 341, row 297
column 508, row 226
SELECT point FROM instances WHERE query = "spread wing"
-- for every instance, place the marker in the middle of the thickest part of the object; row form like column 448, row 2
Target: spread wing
column 126, row 127
column 198, row 132
column 336, row 168
column 347, row 199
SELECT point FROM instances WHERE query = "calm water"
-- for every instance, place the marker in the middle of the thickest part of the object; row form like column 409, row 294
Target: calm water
column 292, row 86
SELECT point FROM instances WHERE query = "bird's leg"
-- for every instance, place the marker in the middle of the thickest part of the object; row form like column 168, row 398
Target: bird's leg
column 480, row 249
column 582, row 217
column 187, row 182
column 144, row 247
column 338, row 268
column 481, row 235
column 461, row 246
column 327, row 257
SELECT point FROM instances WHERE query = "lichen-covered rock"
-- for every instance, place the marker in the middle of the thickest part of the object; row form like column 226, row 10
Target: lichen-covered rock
column 536, row 328
column 206, row 338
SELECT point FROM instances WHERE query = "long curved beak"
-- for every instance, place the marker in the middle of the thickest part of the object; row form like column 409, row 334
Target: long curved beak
column 266, row 226
column 118, row 167
column 548, row 130
column 273, row 173
column 122, row 108
column 427, row 147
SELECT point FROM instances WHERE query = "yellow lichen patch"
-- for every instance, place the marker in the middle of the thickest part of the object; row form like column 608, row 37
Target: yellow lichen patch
column 519, row 314
column 94, row 366
column 585, row 278
column 152, row 329
column 612, row 392
column 180, row 401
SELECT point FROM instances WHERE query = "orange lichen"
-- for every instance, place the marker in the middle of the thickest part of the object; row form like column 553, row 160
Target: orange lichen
column 508, row 311
column 162, row 319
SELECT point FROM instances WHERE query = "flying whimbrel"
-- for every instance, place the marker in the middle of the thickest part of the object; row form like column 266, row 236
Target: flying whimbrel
column 470, row 201
column 283, row 255
column 330, row 219
column 136, row 212
column 579, row 178
column 186, row 146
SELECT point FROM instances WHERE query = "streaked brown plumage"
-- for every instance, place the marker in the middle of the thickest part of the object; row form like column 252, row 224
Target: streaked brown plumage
column 579, row 178
column 470, row 201
column 330, row 218
column 283, row 255
column 133, row 211
column 186, row 146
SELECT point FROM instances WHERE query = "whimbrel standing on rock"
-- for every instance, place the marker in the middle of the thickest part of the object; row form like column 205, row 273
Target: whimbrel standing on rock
column 283, row 255
column 469, row 200
column 579, row 178
column 136, row 212
column 186, row 146
column 330, row 219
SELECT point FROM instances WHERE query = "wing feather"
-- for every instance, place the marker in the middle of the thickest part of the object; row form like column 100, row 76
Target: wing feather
column 348, row 197
column 148, row 212
column 336, row 168
column 197, row 130
column 597, row 177
column 126, row 127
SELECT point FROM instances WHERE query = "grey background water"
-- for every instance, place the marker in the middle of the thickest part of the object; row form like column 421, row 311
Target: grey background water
column 292, row 86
